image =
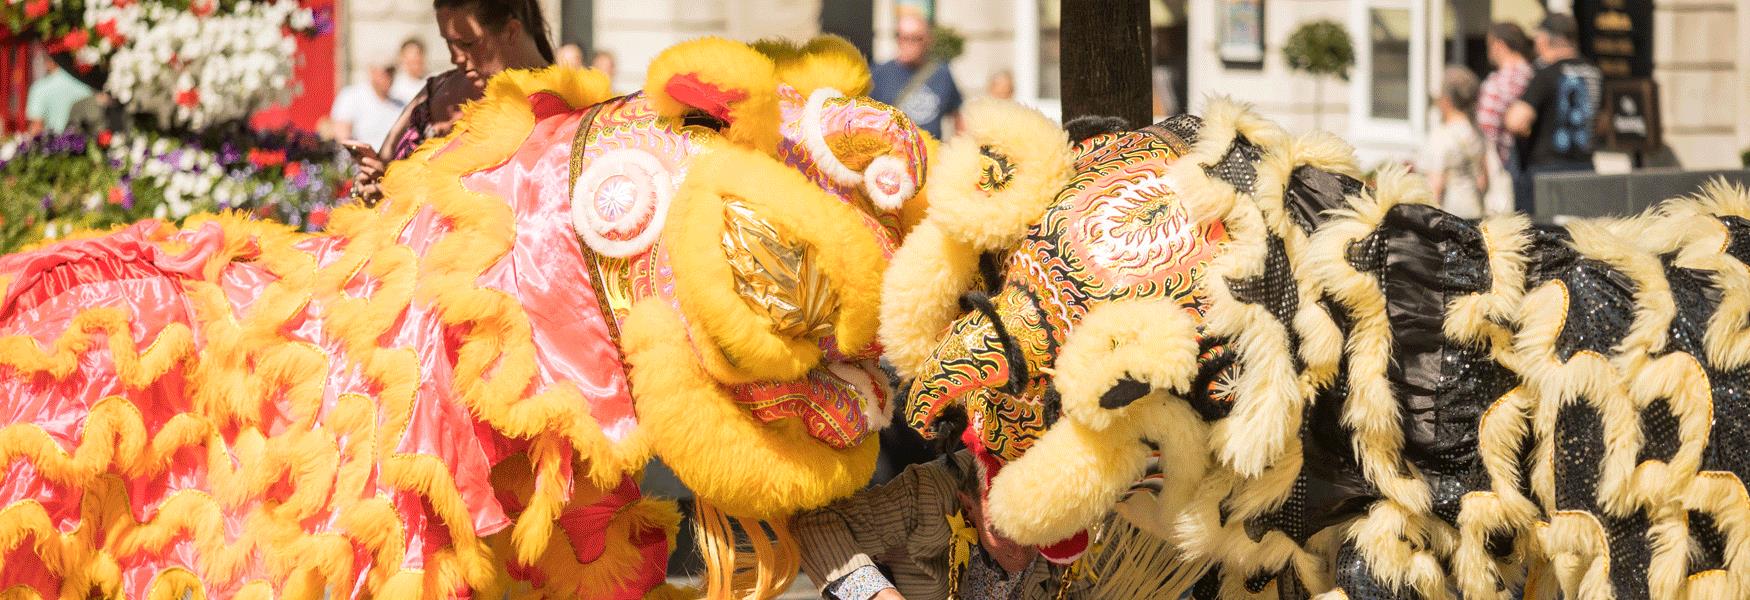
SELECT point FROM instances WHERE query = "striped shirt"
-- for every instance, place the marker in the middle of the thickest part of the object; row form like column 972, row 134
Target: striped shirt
column 902, row 527
column 1499, row 91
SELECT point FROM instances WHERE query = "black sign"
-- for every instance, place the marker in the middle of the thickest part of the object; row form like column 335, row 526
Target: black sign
column 1617, row 35
column 1631, row 115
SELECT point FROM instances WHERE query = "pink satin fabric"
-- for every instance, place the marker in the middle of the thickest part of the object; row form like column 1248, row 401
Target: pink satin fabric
column 129, row 271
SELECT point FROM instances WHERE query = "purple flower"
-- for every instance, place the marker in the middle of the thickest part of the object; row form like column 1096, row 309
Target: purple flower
column 324, row 20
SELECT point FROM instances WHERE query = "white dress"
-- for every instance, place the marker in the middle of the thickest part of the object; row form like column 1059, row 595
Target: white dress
column 1456, row 149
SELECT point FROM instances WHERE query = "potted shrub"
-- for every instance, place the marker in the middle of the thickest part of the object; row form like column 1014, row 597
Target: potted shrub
column 1321, row 49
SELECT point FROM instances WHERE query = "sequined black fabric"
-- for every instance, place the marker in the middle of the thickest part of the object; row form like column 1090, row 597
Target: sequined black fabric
column 1579, row 439
column 1600, row 309
column 1423, row 258
column 1292, row 518
column 1367, row 254
column 1738, row 237
column 1358, row 583
column 1709, row 550
column 1209, row 587
column 1239, row 165
column 1629, row 554
column 1185, row 127
column 1256, row 583
column 1274, row 290
column 1728, row 447
column 1547, row 256
column 1659, row 430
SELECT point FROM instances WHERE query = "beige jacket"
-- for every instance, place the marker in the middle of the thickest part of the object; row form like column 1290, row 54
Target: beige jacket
column 903, row 526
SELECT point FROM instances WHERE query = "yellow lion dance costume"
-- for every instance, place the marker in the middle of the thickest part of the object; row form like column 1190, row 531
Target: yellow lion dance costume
column 454, row 392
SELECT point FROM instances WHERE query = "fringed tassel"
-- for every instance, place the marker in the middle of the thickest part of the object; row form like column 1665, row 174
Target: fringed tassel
column 759, row 569
column 1128, row 562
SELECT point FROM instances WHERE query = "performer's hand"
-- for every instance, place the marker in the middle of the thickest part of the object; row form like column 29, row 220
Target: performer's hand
column 887, row 594
column 371, row 167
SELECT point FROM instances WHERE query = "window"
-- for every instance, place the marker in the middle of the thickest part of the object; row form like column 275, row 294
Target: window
column 1388, row 96
column 1389, row 41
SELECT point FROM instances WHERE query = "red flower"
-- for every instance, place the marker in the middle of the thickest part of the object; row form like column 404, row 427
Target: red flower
column 35, row 9
column 188, row 98
column 319, row 216
column 108, row 30
column 201, row 8
column 122, row 3
column 75, row 40
column 263, row 158
column 115, row 195
column 293, row 168
column 104, row 138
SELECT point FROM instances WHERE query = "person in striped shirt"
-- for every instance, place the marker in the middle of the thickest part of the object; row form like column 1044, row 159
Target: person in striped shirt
column 1508, row 49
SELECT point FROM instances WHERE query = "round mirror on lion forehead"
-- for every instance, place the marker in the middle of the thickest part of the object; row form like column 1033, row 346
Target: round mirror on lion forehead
column 626, row 164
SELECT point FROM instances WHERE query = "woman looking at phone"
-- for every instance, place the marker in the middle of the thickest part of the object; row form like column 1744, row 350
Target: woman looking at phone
column 485, row 37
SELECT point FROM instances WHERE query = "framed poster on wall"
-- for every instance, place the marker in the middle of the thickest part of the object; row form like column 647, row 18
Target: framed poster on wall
column 1241, row 39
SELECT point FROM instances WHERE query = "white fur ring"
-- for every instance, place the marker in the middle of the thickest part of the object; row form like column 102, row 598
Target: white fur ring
column 814, row 138
column 620, row 201
column 887, row 182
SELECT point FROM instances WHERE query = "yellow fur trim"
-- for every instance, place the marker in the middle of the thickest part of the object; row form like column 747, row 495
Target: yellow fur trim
column 731, row 67
column 705, row 285
column 1079, row 472
column 1151, row 341
column 827, row 61
column 1043, row 162
column 1371, row 409
column 746, row 468
column 920, row 296
column 248, row 360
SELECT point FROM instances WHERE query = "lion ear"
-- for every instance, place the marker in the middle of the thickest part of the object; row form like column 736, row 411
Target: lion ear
column 730, row 81
column 996, row 177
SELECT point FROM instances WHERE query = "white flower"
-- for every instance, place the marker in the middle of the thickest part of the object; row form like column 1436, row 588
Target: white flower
column 94, row 201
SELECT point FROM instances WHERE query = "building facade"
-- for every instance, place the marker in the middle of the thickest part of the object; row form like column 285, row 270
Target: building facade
column 1700, row 57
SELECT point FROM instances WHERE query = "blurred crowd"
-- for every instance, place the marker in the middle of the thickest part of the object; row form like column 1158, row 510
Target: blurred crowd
column 1536, row 113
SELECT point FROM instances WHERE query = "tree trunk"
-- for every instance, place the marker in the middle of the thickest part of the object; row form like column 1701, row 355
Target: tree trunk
column 1105, row 60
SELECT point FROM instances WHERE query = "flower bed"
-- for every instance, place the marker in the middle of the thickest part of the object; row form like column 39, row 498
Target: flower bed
column 55, row 184
column 191, row 63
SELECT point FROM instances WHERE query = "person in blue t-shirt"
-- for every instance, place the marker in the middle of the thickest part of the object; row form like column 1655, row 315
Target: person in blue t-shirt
column 918, row 85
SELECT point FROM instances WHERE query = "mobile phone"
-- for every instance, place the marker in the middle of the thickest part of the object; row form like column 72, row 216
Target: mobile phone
column 358, row 150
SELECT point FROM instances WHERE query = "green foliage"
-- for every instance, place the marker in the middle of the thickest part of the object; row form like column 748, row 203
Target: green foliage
column 1320, row 48
column 946, row 43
